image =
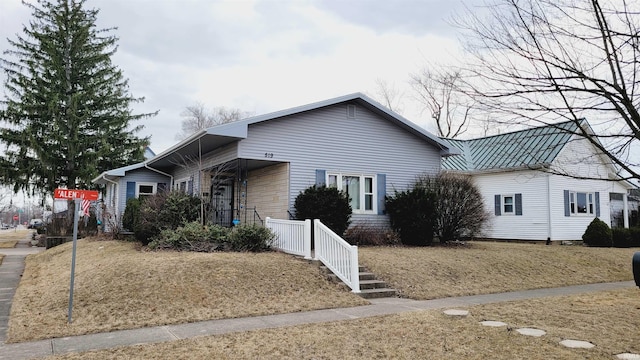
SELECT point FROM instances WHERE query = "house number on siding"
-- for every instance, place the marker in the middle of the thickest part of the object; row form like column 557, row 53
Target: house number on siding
column 268, row 155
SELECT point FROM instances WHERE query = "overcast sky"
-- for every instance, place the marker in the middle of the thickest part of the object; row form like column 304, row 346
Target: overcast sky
column 264, row 55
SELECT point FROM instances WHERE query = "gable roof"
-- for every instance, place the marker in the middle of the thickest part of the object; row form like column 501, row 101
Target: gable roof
column 223, row 134
column 530, row 148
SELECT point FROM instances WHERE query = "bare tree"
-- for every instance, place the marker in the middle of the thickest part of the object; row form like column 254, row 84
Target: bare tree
column 389, row 95
column 546, row 61
column 440, row 95
column 196, row 117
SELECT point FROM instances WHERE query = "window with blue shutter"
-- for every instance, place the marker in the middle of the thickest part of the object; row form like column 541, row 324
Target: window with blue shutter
column 578, row 203
column 321, row 177
column 382, row 193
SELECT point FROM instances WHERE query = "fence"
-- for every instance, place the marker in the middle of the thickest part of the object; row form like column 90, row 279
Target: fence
column 337, row 255
column 292, row 236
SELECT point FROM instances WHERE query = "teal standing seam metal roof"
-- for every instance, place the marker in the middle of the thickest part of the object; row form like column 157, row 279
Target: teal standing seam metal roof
column 520, row 149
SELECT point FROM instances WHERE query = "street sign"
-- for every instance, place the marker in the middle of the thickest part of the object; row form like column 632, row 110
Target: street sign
column 75, row 194
column 15, row 217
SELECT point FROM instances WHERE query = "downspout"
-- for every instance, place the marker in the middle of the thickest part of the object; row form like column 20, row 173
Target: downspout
column 549, row 217
column 160, row 172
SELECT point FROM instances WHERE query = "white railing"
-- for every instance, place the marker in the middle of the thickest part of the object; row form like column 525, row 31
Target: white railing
column 337, row 255
column 292, row 236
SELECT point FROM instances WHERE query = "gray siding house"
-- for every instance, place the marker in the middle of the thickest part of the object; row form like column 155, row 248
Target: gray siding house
column 255, row 168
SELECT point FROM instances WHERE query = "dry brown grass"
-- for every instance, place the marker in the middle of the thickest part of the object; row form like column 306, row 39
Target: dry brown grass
column 9, row 238
column 119, row 287
column 610, row 320
column 491, row 267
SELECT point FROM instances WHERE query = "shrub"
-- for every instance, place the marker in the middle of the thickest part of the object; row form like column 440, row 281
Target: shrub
column 165, row 210
column 459, row 209
column 412, row 213
column 191, row 236
column 625, row 238
column 363, row 234
column 327, row 204
column 252, row 238
column 449, row 206
column 598, row 234
column 131, row 215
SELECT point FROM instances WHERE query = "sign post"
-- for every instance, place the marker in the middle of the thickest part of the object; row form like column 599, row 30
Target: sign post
column 77, row 196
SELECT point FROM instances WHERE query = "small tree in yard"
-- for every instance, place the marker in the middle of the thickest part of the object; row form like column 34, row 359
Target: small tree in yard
column 412, row 213
column 327, row 204
column 165, row 210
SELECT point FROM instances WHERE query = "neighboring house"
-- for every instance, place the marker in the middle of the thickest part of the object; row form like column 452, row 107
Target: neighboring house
column 534, row 182
column 256, row 167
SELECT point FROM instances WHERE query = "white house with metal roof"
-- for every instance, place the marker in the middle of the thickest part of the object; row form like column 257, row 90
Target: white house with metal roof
column 256, row 167
column 544, row 183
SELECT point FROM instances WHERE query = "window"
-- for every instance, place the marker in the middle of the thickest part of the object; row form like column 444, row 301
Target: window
column 581, row 203
column 507, row 204
column 145, row 189
column 360, row 188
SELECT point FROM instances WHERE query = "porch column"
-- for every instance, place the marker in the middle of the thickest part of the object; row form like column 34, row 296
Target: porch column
column 625, row 211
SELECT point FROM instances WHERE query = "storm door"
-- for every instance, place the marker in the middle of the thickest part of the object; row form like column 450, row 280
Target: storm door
column 222, row 202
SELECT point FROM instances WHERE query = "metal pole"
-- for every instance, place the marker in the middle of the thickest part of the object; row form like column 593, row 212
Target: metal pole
column 73, row 256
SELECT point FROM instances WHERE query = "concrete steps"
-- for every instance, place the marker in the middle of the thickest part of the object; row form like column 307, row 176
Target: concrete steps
column 370, row 286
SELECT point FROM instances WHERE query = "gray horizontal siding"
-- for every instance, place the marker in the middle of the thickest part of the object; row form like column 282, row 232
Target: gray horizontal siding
column 141, row 175
column 327, row 139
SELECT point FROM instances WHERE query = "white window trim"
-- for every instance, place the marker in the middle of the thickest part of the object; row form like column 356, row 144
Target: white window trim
column 138, row 184
column 513, row 204
column 574, row 211
column 374, row 200
column 176, row 184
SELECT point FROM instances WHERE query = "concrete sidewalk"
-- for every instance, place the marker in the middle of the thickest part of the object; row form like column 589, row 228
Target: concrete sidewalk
column 378, row 307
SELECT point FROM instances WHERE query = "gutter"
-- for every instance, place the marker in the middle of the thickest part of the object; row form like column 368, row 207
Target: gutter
column 160, row 172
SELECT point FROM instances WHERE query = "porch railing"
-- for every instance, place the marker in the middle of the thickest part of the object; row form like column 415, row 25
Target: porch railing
column 337, row 255
column 292, row 236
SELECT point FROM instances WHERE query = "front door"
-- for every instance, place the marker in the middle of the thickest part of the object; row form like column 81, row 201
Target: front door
column 222, row 202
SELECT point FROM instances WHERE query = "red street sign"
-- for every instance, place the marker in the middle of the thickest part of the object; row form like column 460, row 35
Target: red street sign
column 75, row 194
column 15, row 217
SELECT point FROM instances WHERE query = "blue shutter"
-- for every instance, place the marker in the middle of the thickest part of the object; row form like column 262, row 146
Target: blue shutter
column 190, row 186
column 518, row 201
column 567, row 208
column 381, row 193
column 131, row 189
column 597, row 200
column 321, row 176
column 498, row 200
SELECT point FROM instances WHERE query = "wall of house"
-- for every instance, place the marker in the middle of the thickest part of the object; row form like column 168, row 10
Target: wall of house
column 328, row 139
column 268, row 191
column 533, row 223
column 137, row 176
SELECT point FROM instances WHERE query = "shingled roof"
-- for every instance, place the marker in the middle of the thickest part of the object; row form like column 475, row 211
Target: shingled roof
column 529, row 148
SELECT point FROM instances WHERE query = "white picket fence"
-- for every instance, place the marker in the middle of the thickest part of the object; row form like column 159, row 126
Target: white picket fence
column 294, row 237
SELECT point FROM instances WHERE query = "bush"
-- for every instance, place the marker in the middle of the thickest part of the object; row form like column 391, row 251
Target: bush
column 326, row 204
column 371, row 235
column 625, row 238
column 252, row 238
column 165, row 210
column 131, row 215
column 412, row 214
column 191, row 236
column 459, row 208
column 597, row 234
column 449, row 206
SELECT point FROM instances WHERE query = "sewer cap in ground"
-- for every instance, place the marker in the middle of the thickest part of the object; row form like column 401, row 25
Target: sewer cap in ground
column 577, row 344
column 628, row 356
column 493, row 323
column 531, row 332
column 455, row 312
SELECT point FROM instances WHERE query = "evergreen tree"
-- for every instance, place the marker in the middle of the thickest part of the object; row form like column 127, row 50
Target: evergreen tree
column 66, row 113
